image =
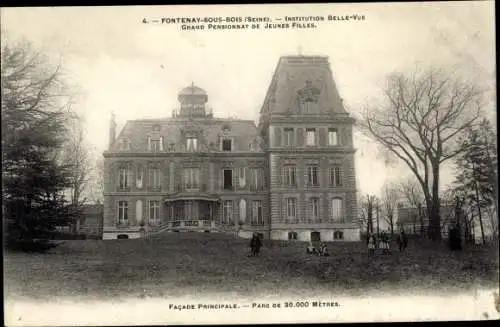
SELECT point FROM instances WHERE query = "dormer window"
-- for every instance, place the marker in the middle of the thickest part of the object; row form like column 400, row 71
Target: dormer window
column 191, row 144
column 156, row 128
column 227, row 145
column 308, row 98
column 125, row 145
column 226, row 128
column 155, row 145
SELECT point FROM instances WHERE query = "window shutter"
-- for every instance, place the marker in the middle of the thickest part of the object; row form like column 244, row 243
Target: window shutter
column 149, row 143
column 161, row 143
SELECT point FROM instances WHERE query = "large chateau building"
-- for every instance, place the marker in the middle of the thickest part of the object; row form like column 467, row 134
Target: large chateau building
column 291, row 176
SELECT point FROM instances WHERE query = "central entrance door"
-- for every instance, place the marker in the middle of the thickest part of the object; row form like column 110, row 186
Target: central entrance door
column 191, row 210
column 315, row 237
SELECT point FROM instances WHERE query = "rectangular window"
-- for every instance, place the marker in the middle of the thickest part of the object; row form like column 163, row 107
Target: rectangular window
column 227, row 145
column 227, row 216
column 139, row 176
column 154, row 210
column 242, row 177
column 123, row 178
column 338, row 235
column 312, row 176
column 192, row 144
column 257, row 217
column 332, row 136
column 335, row 176
column 154, row 177
column 288, row 137
column 228, row 179
column 337, row 215
column 289, row 176
column 314, row 209
column 155, row 145
column 291, row 208
column 191, row 178
column 256, row 178
column 122, row 212
column 310, row 136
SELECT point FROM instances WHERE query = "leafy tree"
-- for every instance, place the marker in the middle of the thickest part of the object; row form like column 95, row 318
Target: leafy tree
column 477, row 172
column 423, row 115
column 34, row 117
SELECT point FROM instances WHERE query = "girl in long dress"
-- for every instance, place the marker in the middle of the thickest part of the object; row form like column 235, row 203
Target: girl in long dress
column 371, row 245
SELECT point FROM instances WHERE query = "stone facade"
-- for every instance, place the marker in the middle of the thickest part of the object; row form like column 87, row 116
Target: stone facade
column 292, row 176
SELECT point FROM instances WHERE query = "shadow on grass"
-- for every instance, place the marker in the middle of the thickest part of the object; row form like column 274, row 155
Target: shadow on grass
column 31, row 246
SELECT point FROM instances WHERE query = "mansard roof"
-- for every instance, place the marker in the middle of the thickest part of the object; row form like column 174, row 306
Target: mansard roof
column 173, row 130
column 299, row 78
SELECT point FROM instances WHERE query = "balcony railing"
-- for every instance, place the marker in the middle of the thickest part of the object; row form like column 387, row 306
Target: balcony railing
column 122, row 224
column 190, row 188
column 311, row 221
column 256, row 188
column 192, row 224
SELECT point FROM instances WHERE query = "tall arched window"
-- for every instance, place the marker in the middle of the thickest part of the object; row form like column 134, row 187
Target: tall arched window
column 138, row 211
column 243, row 211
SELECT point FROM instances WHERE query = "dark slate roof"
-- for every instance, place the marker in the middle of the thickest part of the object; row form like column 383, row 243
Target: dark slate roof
column 171, row 130
column 291, row 78
column 192, row 89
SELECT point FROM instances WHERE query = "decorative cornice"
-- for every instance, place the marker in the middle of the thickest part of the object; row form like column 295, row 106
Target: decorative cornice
column 151, row 155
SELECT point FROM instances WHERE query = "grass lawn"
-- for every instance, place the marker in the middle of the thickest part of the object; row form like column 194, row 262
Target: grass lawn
column 200, row 264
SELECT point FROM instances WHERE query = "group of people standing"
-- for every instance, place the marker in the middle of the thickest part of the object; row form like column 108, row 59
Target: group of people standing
column 322, row 250
column 384, row 242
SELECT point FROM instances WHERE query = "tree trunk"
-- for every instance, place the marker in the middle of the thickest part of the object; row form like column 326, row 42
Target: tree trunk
column 378, row 220
column 370, row 217
column 479, row 213
column 421, row 219
column 434, row 210
column 391, row 224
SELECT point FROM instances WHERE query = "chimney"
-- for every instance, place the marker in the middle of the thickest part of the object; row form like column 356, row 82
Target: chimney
column 112, row 130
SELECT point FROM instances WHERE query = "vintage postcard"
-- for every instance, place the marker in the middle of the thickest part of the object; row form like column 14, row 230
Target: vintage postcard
column 245, row 164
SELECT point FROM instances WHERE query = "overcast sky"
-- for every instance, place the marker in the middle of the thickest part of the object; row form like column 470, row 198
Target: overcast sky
column 116, row 60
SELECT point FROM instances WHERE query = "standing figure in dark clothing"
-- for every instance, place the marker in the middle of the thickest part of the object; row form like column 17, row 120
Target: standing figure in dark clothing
column 255, row 245
column 402, row 240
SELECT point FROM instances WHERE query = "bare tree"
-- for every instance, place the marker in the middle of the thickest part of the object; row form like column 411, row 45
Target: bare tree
column 76, row 155
column 412, row 192
column 367, row 206
column 390, row 202
column 95, row 189
column 419, row 123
